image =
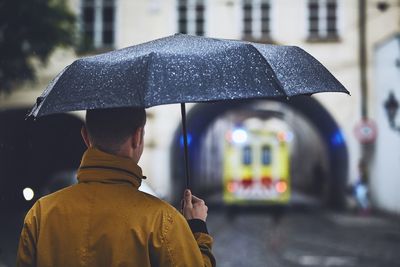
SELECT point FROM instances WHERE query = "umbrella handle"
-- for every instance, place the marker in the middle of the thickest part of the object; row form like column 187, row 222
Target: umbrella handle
column 185, row 145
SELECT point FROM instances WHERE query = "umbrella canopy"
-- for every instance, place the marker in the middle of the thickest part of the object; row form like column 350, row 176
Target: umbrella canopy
column 181, row 69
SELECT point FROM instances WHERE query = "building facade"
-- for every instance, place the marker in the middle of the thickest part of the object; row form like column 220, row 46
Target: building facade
column 327, row 29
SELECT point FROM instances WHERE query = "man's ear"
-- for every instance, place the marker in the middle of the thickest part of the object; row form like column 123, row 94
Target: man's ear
column 85, row 136
column 137, row 137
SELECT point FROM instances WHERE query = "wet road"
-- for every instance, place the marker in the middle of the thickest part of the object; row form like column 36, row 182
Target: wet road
column 311, row 238
column 300, row 238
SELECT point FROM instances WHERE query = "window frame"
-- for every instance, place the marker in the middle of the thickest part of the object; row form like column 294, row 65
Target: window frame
column 258, row 31
column 319, row 25
column 103, row 32
column 193, row 17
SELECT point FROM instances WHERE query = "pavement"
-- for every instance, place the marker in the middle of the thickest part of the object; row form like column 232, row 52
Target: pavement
column 295, row 237
column 304, row 238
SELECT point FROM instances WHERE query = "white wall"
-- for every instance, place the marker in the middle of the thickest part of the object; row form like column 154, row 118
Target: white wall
column 385, row 170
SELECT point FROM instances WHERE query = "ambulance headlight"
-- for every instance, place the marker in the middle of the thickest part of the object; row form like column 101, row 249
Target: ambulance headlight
column 239, row 136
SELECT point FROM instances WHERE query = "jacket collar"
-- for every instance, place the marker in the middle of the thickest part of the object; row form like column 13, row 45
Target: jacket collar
column 99, row 166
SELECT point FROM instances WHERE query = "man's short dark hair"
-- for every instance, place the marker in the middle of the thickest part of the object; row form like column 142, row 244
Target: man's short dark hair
column 109, row 128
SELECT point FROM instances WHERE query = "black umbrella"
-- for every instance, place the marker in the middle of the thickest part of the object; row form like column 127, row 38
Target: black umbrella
column 181, row 69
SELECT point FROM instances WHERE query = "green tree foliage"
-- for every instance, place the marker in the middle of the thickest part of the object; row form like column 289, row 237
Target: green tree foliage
column 30, row 28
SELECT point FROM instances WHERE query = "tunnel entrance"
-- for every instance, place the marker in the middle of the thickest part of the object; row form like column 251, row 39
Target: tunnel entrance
column 318, row 160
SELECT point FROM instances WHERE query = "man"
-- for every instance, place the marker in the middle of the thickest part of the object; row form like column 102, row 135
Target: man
column 104, row 220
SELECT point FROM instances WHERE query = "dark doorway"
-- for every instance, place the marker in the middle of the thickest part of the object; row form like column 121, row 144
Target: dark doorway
column 34, row 152
column 39, row 156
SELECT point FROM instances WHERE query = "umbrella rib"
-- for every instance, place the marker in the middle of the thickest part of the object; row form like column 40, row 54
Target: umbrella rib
column 272, row 70
column 149, row 64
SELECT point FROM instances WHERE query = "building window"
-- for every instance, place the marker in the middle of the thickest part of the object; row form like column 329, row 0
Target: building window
column 322, row 18
column 108, row 20
column 87, row 21
column 256, row 19
column 191, row 17
column 97, row 24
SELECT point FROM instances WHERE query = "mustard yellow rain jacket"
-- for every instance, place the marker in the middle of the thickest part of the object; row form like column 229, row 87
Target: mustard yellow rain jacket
column 104, row 220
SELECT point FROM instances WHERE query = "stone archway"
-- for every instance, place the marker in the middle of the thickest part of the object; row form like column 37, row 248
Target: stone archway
column 201, row 116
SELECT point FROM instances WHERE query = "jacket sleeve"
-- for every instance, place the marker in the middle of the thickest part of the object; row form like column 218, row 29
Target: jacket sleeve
column 178, row 246
column 26, row 255
column 203, row 239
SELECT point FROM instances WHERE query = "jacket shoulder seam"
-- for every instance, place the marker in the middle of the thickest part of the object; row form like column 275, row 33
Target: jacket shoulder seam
column 167, row 221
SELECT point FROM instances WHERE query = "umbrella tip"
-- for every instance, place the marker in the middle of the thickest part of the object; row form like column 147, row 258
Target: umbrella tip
column 30, row 117
column 39, row 100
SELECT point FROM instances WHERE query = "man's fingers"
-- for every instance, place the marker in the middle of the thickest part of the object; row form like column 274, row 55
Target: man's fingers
column 188, row 198
column 196, row 199
column 194, row 207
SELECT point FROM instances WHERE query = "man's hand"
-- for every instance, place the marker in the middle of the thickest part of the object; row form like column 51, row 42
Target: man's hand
column 194, row 207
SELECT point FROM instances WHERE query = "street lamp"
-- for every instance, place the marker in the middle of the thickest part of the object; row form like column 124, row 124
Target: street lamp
column 391, row 106
column 382, row 6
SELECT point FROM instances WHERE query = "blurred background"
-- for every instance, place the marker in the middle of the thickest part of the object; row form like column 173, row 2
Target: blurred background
column 306, row 181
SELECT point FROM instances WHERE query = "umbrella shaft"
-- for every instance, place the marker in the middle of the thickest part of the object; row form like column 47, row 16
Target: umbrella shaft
column 185, row 144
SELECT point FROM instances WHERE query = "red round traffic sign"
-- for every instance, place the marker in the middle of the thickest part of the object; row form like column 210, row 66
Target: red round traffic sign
column 365, row 131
